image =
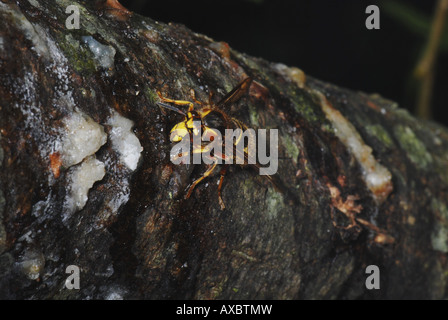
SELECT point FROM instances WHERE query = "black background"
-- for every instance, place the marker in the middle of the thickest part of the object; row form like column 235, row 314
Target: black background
column 325, row 38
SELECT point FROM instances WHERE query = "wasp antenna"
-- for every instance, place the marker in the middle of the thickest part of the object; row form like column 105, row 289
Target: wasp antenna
column 161, row 104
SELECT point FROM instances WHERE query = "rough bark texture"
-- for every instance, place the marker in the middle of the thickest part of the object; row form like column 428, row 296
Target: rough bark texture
column 366, row 182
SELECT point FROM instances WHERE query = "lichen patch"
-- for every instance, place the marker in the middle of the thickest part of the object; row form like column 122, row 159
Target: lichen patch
column 439, row 235
column 415, row 149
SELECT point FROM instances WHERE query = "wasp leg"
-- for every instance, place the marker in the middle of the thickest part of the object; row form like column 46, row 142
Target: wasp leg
column 205, row 175
column 193, row 97
column 177, row 102
column 223, row 173
column 210, row 95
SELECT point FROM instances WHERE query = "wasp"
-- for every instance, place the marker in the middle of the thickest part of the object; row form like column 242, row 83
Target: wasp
column 210, row 117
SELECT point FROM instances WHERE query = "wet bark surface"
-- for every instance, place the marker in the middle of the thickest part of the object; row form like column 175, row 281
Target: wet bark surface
column 364, row 182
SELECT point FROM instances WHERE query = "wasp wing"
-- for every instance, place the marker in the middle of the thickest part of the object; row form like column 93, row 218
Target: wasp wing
column 236, row 93
column 274, row 179
column 242, row 155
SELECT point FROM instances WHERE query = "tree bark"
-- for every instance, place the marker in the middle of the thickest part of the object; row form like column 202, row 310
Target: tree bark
column 365, row 182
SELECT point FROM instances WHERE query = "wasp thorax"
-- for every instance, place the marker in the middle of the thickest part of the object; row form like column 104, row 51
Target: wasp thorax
column 215, row 120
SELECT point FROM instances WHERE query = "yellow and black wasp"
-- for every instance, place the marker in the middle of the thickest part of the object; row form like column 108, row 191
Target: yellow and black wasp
column 212, row 117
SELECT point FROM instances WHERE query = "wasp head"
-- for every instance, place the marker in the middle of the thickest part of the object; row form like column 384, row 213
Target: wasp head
column 191, row 125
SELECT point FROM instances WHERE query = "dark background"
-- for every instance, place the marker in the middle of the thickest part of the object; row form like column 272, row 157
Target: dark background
column 325, row 38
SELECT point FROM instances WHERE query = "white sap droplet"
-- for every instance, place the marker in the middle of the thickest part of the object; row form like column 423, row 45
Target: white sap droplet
column 104, row 54
column 82, row 179
column 32, row 263
column 124, row 141
column 83, row 138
